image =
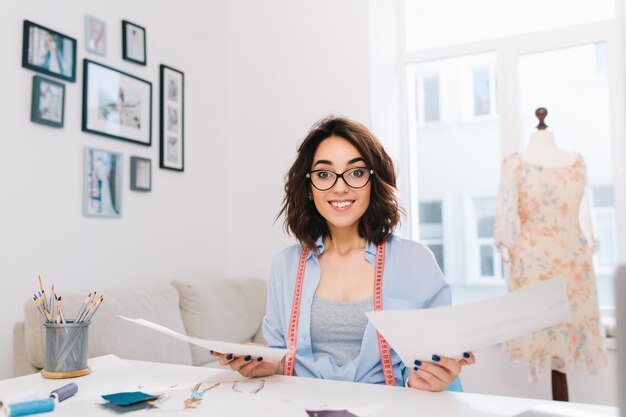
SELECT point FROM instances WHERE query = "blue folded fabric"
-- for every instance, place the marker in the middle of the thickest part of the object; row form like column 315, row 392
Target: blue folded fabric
column 128, row 398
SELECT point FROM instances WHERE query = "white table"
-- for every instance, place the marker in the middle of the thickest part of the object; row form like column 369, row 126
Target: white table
column 280, row 396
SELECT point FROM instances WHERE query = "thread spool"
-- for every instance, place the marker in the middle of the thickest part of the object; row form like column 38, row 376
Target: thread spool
column 30, row 407
column 65, row 392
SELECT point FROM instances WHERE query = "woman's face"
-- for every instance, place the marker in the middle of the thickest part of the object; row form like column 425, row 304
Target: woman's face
column 341, row 206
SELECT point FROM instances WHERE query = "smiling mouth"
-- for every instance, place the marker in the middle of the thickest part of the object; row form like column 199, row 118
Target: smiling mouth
column 344, row 204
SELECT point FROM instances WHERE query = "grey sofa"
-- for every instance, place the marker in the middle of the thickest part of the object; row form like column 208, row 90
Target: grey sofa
column 229, row 310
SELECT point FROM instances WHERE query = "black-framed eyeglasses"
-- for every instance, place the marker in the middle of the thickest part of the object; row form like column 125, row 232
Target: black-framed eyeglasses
column 324, row 180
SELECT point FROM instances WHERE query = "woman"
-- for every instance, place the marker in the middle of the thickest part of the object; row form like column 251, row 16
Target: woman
column 340, row 204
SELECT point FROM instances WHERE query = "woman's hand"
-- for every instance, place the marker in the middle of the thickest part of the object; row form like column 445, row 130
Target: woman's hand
column 438, row 374
column 249, row 366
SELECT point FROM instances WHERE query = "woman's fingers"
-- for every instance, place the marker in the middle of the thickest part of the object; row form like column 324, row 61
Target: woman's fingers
column 468, row 359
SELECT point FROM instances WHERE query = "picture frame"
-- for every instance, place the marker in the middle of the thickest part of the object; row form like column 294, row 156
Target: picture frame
column 134, row 43
column 48, row 51
column 116, row 104
column 102, row 183
column 95, row 35
column 172, row 118
column 140, row 174
column 48, row 102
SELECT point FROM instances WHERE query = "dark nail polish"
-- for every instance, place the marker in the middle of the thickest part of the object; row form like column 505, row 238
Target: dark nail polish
column 418, row 363
column 260, row 359
column 436, row 358
column 247, row 358
column 466, row 355
column 211, row 352
column 229, row 356
column 415, row 368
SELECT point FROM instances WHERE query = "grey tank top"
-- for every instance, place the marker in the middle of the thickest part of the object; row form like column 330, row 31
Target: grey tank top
column 337, row 328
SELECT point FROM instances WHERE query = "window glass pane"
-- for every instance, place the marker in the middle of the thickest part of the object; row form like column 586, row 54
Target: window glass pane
column 430, row 212
column 431, row 99
column 482, row 95
column 567, row 82
column 485, row 212
column 603, row 196
column 434, row 23
column 486, row 261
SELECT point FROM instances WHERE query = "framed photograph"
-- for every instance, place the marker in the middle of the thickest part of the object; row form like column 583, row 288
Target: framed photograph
column 102, row 183
column 47, row 51
column 172, row 111
column 47, row 105
column 116, row 104
column 133, row 43
column 95, row 35
column 140, row 174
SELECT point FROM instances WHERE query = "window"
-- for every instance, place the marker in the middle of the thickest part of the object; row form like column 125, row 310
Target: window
column 490, row 266
column 431, row 226
column 473, row 102
column 427, row 99
column 484, row 97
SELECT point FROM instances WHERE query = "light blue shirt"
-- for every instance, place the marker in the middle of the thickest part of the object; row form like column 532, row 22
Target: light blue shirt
column 411, row 280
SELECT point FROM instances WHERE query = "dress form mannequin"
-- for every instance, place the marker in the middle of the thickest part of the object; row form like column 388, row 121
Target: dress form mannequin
column 542, row 149
column 542, row 229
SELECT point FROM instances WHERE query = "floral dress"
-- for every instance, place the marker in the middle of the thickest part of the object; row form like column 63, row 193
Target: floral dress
column 543, row 230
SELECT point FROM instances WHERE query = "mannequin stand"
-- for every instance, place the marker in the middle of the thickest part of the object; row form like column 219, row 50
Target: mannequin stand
column 559, row 386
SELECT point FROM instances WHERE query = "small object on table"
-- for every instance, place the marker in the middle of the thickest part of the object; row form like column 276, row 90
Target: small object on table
column 330, row 413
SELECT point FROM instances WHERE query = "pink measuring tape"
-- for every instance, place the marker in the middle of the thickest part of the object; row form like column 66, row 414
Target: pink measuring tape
column 292, row 335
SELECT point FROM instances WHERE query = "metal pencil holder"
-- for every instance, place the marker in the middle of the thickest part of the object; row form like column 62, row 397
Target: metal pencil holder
column 66, row 350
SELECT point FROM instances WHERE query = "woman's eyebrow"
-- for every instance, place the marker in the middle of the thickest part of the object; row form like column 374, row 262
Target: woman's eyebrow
column 352, row 161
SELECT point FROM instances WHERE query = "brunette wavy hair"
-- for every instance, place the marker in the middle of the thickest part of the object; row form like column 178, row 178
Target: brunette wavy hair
column 302, row 219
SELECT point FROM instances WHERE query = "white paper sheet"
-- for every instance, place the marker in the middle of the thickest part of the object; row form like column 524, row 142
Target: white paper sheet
column 237, row 349
column 450, row 331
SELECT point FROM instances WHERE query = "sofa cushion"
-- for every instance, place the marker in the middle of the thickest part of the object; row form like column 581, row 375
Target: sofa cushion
column 226, row 309
column 110, row 334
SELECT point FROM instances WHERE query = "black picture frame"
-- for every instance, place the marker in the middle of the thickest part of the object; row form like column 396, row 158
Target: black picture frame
column 134, row 43
column 116, row 104
column 172, row 119
column 48, row 51
column 48, row 102
column 140, row 174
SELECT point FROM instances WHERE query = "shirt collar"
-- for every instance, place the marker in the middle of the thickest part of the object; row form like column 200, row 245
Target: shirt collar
column 370, row 250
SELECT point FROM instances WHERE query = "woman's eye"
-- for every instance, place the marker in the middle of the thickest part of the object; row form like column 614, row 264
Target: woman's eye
column 357, row 173
column 323, row 175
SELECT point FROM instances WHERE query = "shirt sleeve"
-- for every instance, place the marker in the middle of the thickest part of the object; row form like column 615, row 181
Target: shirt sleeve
column 506, row 222
column 273, row 331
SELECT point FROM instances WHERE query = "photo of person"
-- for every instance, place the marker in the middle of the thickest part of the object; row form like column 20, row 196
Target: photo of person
column 95, row 30
column 49, row 51
column 172, row 149
column 134, row 38
column 123, row 107
column 103, row 171
column 140, row 178
column 172, row 119
column 47, row 102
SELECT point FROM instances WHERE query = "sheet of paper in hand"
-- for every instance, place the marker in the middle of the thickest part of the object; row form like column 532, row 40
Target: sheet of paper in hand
column 450, row 331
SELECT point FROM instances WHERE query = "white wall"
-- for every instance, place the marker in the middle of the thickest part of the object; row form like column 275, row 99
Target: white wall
column 290, row 64
column 173, row 231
